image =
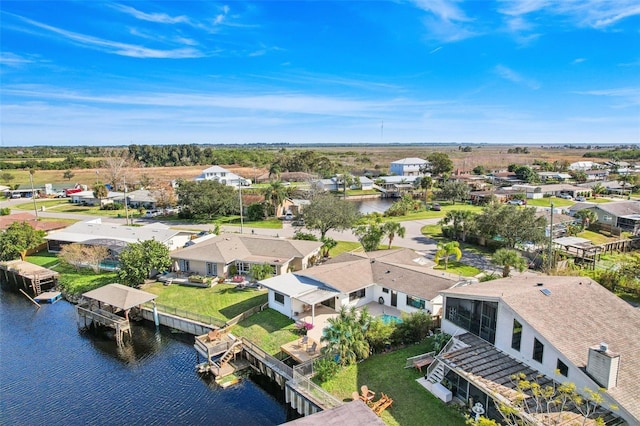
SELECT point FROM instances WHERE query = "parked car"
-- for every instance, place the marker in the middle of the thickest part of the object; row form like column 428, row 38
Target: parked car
column 581, row 198
column 566, row 196
column 299, row 222
column 516, row 202
column 288, row 216
column 436, row 207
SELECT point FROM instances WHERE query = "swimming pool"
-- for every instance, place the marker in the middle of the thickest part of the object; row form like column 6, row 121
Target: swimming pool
column 390, row 319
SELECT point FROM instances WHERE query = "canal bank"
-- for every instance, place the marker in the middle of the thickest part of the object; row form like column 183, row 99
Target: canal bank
column 52, row 372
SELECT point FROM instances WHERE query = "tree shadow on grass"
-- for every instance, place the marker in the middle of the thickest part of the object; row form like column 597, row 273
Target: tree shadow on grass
column 242, row 306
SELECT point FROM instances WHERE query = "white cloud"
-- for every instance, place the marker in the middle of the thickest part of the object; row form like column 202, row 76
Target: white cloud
column 578, row 61
column 12, row 60
column 160, row 18
column 445, row 20
column 513, row 76
column 114, row 47
column 630, row 96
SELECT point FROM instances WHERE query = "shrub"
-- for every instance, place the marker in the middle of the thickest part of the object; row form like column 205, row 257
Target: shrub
column 325, row 369
column 304, row 236
column 413, row 328
column 439, row 340
column 5, row 211
column 379, row 334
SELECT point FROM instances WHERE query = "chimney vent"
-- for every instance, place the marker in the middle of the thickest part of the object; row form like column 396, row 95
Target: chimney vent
column 603, row 365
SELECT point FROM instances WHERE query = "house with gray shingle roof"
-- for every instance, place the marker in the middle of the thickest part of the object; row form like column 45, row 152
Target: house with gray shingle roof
column 218, row 255
column 618, row 214
column 551, row 329
column 398, row 278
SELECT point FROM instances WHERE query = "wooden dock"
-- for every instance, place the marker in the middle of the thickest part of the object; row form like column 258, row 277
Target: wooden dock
column 49, row 297
column 301, row 352
column 91, row 315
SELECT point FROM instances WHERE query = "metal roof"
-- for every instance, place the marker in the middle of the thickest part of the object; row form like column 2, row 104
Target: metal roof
column 120, row 296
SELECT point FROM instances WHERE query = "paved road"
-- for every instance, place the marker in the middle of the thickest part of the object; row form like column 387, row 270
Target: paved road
column 413, row 237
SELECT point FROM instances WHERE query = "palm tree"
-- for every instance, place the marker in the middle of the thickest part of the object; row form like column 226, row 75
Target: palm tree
column 446, row 250
column 508, row 259
column 587, row 217
column 100, row 191
column 391, row 229
column 327, row 244
column 598, row 189
column 345, row 336
column 462, row 221
column 275, row 194
column 275, row 170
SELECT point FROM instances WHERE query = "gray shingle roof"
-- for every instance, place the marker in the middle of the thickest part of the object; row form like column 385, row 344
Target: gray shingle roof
column 226, row 248
column 578, row 314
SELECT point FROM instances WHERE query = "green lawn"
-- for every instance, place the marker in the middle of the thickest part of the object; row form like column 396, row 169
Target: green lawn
column 458, row 268
column 546, row 202
column 44, row 259
column 595, row 237
column 269, row 329
column 431, row 214
column 412, row 404
column 222, row 301
column 46, row 203
column 599, row 200
column 344, row 246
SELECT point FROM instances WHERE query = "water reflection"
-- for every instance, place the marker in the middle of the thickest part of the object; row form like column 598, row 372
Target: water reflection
column 53, row 373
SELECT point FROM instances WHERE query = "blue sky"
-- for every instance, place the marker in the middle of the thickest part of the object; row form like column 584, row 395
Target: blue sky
column 112, row 73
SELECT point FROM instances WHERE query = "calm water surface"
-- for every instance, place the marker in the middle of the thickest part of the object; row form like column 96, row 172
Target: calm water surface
column 376, row 205
column 52, row 373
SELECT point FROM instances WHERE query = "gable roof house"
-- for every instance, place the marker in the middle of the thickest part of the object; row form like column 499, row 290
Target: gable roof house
column 399, row 279
column 624, row 215
column 115, row 237
column 408, row 167
column 223, row 176
column 217, row 255
column 552, row 330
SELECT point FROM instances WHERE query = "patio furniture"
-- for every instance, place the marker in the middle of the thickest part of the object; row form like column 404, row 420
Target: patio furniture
column 304, row 341
column 313, row 348
column 382, row 404
column 367, row 395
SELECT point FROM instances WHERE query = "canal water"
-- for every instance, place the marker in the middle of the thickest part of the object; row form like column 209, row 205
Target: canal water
column 52, row 373
column 375, row 205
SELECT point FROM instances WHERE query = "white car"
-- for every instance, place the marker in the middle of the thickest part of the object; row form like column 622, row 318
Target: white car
column 288, row 216
column 566, row 196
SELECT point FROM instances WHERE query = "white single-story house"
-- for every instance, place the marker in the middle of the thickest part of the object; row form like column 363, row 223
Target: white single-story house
column 583, row 165
column 398, row 278
column 87, row 198
column 408, row 167
column 227, row 253
column 551, row 329
column 115, row 237
column 223, row 176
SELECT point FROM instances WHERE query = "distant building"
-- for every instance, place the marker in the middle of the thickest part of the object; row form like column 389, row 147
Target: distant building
column 408, row 167
column 223, row 176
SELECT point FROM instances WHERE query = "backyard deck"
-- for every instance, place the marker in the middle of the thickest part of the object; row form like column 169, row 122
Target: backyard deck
column 300, row 351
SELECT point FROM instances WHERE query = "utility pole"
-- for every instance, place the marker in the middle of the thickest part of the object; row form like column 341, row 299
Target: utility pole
column 33, row 193
column 126, row 202
column 240, row 196
column 551, row 240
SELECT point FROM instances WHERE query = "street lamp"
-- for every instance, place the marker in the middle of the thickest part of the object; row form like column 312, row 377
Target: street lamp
column 33, row 193
column 241, row 216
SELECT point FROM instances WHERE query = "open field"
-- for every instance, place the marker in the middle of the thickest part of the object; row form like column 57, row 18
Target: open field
column 351, row 157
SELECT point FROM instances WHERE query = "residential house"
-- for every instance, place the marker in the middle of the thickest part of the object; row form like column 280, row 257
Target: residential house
column 583, row 165
column 408, row 167
column 335, row 183
column 223, row 176
column 554, row 176
column 400, row 279
column 86, row 198
column 228, row 254
column 140, row 198
column 504, row 178
column 115, row 237
column 597, row 175
column 551, row 330
column 624, row 215
column 611, row 186
column 396, row 186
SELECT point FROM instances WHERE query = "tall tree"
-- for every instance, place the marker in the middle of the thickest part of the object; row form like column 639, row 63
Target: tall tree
column 328, row 244
column 164, row 194
column 208, row 197
column 439, row 163
column 326, row 212
column 455, row 190
column 587, row 217
column 118, row 164
column 68, row 174
column 6, row 177
column 17, row 239
column 138, row 260
column 512, row 224
column 462, row 222
column 598, row 189
column 391, row 229
column 370, row 235
column 275, row 194
column 345, row 335
column 446, row 250
column 508, row 258
column 426, row 184
column 100, row 192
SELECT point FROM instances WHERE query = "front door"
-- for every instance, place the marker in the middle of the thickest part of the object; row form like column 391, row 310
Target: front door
column 394, row 298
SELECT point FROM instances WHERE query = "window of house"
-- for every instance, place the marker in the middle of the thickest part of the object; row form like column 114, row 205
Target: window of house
column 476, row 316
column 385, row 290
column 278, row 297
column 415, row 303
column 562, row 368
column 357, row 294
column 538, row 350
column 516, row 336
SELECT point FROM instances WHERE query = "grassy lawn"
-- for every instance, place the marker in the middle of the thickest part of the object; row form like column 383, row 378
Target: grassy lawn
column 412, row 404
column 546, row 202
column 599, row 200
column 459, row 268
column 431, row 214
column 596, row 237
column 269, row 329
column 40, row 203
column 72, row 281
column 432, row 231
column 222, row 301
column 344, row 246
